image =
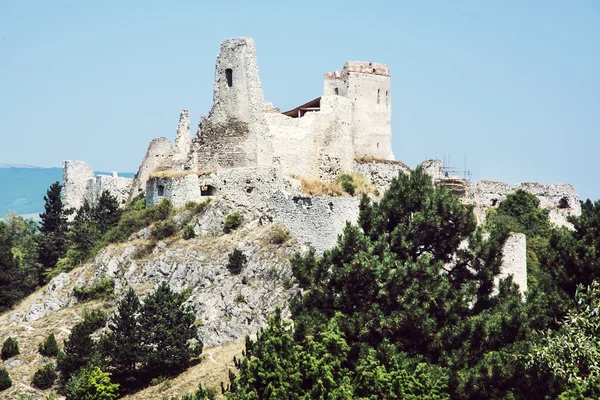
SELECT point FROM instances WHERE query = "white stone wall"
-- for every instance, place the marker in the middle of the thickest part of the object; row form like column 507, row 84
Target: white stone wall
column 514, row 261
column 178, row 190
column 117, row 186
column 77, row 177
column 158, row 156
column 316, row 145
column 183, row 143
column 314, row 221
column 367, row 86
column 380, row 173
column 80, row 184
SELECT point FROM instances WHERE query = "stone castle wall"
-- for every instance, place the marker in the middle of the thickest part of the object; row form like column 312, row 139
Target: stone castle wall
column 80, row 184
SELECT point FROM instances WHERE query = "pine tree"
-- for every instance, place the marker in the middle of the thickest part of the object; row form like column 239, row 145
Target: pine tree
column 50, row 347
column 168, row 329
column 106, row 212
column 121, row 347
column 52, row 241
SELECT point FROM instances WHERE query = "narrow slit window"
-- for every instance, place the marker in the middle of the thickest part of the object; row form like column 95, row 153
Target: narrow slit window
column 229, row 76
column 387, row 98
column 336, row 91
column 378, row 94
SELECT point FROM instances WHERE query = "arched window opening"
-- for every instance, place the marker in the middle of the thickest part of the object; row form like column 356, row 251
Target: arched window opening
column 207, row 190
column 336, row 91
column 161, row 190
column 229, row 76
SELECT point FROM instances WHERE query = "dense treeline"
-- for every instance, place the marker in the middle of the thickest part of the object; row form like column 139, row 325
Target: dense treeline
column 399, row 309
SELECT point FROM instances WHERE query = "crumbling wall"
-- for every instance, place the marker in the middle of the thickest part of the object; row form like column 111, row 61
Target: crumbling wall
column 77, row 178
column 178, row 190
column 380, row 173
column 158, row 157
column 514, row 261
column 317, row 145
column 314, row 221
column 80, row 184
column 432, row 168
column 182, row 141
column 117, row 186
column 235, row 133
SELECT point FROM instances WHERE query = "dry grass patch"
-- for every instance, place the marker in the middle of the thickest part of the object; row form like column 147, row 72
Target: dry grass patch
column 179, row 174
column 212, row 370
column 371, row 159
column 344, row 185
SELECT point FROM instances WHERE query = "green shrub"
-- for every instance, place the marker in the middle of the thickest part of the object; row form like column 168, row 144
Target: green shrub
column 347, row 183
column 163, row 229
column 94, row 319
column 10, row 348
column 144, row 250
column 232, row 221
column 137, row 204
column 197, row 208
column 103, row 288
column 91, row 384
column 162, row 211
column 188, row 232
column 49, row 347
column 237, row 260
column 44, row 377
column 5, row 381
column 279, row 235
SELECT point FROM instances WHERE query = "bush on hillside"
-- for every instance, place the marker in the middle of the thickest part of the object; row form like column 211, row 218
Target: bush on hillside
column 232, row 221
column 188, row 232
column 5, row 381
column 237, row 260
column 10, row 348
column 49, row 347
column 44, row 377
column 163, row 229
column 101, row 289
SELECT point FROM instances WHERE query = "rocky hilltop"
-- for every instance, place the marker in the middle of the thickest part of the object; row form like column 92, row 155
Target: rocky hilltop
column 228, row 306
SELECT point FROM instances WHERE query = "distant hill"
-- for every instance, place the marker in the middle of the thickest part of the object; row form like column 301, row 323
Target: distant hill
column 22, row 187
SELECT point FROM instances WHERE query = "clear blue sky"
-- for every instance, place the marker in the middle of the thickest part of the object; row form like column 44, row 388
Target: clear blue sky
column 514, row 85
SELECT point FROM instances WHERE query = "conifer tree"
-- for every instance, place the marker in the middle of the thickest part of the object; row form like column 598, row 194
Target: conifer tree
column 121, row 347
column 168, row 331
column 52, row 241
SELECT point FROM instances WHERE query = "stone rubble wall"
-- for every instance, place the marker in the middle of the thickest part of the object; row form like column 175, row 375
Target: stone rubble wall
column 158, row 157
column 315, row 221
column 183, row 143
column 514, row 261
column 316, row 145
column 80, row 184
column 380, row 173
column 117, row 186
column 77, row 177
column 489, row 194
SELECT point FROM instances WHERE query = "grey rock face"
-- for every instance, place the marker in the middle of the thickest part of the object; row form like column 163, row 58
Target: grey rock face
column 228, row 306
column 55, row 298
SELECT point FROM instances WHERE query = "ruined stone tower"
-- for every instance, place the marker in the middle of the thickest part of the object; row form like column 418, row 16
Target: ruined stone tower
column 235, row 134
column 367, row 86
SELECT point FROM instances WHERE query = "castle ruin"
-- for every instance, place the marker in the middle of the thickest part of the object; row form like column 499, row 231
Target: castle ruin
column 247, row 151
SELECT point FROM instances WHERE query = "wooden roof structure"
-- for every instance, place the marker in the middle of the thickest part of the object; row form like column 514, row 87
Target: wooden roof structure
column 298, row 112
